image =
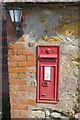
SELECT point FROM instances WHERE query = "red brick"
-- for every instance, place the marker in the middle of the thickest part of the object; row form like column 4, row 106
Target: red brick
column 19, row 107
column 23, row 88
column 17, row 70
column 30, row 52
column 17, row 118
column 23, row 114
column 21, row 75
column 21, row 39
column 22, row 52
column 27, row 63
column 13, row 58
column 22, row 58
column 23, row 101
column 16, row 46
column 27, row 52
column 31, row 102
column 17, row 82
column 12, row 75
column 12, row 64
column 14, row 114
column 26, row 12
column 14, row 87
column 12, row 52
column 11, row 31
column 31, row 63
column 22, row 94
column 22, row 63
column 30, row 57
column 17, row 58
column 14, row 100
column 32, row 70
column 31, row 89
column 13, row 94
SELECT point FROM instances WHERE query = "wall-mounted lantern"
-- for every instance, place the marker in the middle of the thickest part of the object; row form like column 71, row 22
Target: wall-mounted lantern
column 16, row 18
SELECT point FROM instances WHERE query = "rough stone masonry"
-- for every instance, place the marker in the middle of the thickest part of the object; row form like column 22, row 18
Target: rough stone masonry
column 48, row 24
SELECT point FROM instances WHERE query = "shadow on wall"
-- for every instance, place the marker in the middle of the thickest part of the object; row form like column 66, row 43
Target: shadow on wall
column 5, row 80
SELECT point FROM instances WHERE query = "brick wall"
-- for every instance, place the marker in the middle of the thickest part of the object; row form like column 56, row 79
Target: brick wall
column 19, row 58
column 38, row 29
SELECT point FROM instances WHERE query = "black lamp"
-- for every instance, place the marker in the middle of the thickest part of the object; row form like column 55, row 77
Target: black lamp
column 16, row 18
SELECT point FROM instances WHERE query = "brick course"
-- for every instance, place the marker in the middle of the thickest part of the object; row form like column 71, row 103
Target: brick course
column 17, row 70
column 23, row 114
column 18, row 82
column 13, row 75
column 19, row 107
column 27, row 63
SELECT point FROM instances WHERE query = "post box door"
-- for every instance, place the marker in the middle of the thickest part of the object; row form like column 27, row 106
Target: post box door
column 47, row 82
column 47, row 74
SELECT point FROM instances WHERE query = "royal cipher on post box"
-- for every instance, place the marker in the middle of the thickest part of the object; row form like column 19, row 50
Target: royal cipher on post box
column 47, row 73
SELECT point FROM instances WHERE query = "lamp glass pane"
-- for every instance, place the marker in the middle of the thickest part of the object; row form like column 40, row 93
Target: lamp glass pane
column 20, row 15
column 17, row 14
column 12, row 15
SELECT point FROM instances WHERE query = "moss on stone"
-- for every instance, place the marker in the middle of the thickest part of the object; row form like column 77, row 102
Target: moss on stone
column 70, row 28
column 51, row 38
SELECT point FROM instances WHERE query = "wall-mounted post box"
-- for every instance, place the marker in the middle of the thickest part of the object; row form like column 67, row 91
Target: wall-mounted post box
column 47, row 73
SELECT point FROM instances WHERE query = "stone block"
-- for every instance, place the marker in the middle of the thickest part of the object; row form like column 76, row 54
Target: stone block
column 38, row 114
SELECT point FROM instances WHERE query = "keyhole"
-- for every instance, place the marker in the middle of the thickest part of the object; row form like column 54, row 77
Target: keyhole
column 45, row 83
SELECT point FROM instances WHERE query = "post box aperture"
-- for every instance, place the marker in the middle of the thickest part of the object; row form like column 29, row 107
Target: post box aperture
column 47, row 73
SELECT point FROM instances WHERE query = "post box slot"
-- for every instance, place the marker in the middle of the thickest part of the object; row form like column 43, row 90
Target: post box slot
column 48, row 59
column 48, row 56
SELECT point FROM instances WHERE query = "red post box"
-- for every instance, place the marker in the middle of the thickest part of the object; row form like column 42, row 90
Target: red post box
column 47, row 73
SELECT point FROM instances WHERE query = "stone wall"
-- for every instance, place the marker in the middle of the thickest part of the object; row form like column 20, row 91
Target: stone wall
column 43, row 25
